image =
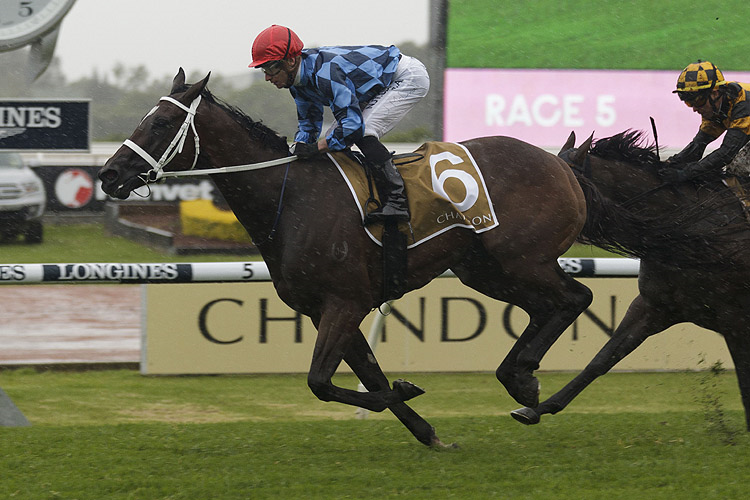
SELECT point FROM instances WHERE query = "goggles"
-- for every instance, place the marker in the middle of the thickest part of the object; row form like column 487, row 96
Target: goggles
column 693, row 99
column 271, row 68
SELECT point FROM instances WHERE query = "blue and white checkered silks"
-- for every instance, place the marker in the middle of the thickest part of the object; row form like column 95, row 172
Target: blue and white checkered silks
column 369, row 89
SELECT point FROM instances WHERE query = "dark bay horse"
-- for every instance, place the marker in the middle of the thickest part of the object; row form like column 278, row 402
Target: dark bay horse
column 324, row 266
column 694, row 244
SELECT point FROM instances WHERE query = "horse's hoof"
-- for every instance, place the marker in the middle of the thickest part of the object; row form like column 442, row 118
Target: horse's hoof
column 406, row 390
column 436, row 444
column 527, row 416
column 525, row 391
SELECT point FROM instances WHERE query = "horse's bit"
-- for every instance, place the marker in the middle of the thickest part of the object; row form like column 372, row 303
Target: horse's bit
column 175, row 146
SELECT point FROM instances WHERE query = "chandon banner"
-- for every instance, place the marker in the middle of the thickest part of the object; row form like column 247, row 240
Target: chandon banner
column 445, row 326
column 36, row 125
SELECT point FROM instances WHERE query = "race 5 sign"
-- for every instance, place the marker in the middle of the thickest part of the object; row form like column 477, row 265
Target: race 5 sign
column 49, row 125
column 542, row 106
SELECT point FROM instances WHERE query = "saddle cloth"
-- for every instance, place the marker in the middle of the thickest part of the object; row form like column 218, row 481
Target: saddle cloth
column 444, row 187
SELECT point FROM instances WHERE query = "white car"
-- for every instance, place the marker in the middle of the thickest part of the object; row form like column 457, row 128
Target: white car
column 22, row 200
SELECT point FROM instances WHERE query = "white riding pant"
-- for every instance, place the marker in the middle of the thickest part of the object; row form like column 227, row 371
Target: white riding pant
column 409, row 85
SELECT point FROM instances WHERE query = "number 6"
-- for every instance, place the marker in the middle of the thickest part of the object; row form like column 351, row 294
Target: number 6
column 438, row 181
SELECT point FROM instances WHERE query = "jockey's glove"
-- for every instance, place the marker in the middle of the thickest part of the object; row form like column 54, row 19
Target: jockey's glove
column 681, row 174
column 304, row 150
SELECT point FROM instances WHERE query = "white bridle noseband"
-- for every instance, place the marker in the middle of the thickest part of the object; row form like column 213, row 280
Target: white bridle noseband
column 175, row 147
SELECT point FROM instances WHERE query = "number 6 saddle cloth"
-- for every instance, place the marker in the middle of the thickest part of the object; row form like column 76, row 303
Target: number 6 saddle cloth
column 444, row 187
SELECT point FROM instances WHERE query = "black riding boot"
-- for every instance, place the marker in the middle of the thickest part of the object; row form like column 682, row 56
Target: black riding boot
column 390, row 185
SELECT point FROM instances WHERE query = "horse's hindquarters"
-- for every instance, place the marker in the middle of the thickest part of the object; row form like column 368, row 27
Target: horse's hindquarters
column 539, row 204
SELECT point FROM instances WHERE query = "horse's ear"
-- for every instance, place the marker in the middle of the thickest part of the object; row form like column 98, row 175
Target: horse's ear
column 570, row 143
column 195, row 89
column 582, row 151
column 179, row 80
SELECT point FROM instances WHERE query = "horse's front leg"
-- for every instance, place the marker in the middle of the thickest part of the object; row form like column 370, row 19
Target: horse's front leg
column 338, row 327
column 738, row 343
column 361, row 360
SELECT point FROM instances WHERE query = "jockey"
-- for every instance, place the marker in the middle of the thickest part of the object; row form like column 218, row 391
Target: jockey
column 723, row 106
column 369, row 90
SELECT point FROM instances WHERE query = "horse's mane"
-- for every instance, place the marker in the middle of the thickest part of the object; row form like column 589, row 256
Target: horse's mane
column 257, row 130
column 629, row 146
column 693, row 230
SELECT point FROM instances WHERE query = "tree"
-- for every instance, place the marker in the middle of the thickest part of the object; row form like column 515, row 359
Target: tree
column 120, row 98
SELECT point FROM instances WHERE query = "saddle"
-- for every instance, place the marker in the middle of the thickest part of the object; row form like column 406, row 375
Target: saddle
column 398, row 160
column 445, row 190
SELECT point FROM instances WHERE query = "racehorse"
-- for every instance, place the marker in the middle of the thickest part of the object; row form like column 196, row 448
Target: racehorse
column 324, row 266
column 694, row 244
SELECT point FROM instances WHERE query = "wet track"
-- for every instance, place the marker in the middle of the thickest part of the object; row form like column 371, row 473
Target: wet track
column 69, row 324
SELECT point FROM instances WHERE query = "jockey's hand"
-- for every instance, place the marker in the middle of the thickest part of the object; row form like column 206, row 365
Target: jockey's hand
column 672, row 175
column 675, row 175
column 304, row 150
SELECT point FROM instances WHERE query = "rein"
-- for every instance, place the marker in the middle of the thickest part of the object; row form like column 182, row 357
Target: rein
column 157, row 167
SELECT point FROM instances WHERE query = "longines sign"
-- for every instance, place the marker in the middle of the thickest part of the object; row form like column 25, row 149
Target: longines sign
column 48, row 125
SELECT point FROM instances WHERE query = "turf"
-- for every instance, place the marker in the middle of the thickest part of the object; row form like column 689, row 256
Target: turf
column 117, row 434
column 91, row 243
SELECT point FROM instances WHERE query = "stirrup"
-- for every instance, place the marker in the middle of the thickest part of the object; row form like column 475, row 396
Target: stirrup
column 386, row 212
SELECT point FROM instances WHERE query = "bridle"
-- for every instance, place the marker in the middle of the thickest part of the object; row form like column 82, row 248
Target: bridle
column 157, row 167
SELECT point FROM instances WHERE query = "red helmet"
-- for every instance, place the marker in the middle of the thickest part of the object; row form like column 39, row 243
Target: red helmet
column 274, row 44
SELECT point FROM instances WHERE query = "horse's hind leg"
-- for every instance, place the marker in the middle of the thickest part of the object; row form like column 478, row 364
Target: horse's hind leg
column 361, row 360
column 552, row 303
column 552, row 299
column 739, row 348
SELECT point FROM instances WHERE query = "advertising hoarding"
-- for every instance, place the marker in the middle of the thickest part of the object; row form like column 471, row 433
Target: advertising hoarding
column 542, row 106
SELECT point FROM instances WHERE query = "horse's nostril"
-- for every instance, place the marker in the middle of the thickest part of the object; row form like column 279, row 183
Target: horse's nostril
column 107, row 175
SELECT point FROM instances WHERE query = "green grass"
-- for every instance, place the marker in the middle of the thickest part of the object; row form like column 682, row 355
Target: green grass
column 609, row 34
column 116, row 434
column 90, row 243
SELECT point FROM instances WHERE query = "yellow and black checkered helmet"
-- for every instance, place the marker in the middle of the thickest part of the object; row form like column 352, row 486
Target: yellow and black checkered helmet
column 699, row 76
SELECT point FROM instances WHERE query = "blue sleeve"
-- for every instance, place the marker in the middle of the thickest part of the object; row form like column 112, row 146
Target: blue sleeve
column 345, row 108
column 309, row 120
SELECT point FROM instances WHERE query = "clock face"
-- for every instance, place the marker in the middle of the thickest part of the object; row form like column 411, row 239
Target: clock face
column 22, row 21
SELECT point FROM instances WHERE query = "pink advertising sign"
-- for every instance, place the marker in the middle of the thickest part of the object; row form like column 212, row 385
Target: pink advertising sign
column 542, row 106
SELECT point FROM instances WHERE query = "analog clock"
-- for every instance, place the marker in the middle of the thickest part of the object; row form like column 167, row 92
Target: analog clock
column 25, row 21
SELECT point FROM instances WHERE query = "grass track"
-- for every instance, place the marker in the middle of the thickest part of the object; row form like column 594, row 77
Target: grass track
column 90, row 243
column 117, row 434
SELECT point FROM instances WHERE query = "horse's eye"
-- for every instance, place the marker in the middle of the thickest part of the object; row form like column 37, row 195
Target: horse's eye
column 160, row 122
